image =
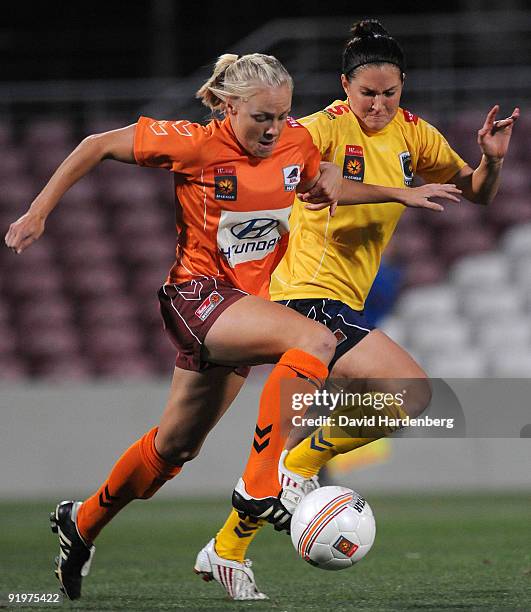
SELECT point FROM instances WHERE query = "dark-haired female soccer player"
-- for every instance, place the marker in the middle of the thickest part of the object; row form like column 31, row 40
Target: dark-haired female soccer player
column 234, row 182
column 331, row 262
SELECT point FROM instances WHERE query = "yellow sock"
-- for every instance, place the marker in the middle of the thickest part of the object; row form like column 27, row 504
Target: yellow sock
column 236, row 535
column 310, row 455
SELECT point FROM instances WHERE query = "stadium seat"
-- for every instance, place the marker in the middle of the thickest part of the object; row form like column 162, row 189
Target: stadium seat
column 427, row 302
column 85, row 193
column 515, row 178
column 16, row 194
column 497, row 302
column 49, row 132
column 510, row 210
column 49, row 310
column 505, row 335
column 14, row 164
column 99, row 250
column 125, row 367
column 107, row 342
column 462, row 215
column 511, row 364
column 423, row 273
column 39, row 255
column 44, row 166
column 458, row 242
column 462, row 363
column 522, row 272
column 71, row 368
column 130, row 192
column 412, row 244
column 517, row 241
column 485, row 269
column 75, row 223
column 440, row 334
column 149, row 250
column 116, row 309
column 60, row 340
column 30, row 282
column 97, row 281
column 148, row 222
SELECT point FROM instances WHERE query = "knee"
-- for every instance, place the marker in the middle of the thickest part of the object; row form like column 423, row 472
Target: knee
column 176, row 451
column 418, row 394
column 320, row 343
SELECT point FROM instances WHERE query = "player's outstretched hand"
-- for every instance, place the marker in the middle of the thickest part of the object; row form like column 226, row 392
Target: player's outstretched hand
column 24, row 231
column 326, row 191
column 419, row 197
column 494, row 136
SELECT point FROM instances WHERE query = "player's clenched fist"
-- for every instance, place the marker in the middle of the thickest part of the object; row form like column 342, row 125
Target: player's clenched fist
column 24, row 231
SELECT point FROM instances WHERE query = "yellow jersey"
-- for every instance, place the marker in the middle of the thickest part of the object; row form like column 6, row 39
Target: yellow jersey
column 338, row 257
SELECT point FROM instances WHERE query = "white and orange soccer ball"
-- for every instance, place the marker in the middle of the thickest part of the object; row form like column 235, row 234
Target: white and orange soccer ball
column 333, row 528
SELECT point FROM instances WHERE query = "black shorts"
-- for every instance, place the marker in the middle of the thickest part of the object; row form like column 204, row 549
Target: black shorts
column 349, row 326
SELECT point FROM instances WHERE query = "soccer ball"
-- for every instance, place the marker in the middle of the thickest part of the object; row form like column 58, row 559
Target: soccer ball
column 333, row 528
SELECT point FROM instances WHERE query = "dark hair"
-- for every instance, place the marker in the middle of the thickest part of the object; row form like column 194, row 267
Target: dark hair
column 371, row 44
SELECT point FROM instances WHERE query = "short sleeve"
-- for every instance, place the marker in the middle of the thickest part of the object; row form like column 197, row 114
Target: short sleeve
column 437, row 161
column 320, row 130
column 311, row 154
column 174, row 145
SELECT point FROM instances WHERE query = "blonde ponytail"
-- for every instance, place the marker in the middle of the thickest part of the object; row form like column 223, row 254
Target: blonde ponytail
column 240, row 77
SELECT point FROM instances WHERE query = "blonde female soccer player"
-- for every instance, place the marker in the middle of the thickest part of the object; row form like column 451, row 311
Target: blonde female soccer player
column 331, row 261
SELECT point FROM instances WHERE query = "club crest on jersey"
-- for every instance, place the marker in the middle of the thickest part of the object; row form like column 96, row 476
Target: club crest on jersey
column 407, row 168
column 354, row 164
column 225, row 182
column 208, row 305
column 292, row 177
column 345, row 546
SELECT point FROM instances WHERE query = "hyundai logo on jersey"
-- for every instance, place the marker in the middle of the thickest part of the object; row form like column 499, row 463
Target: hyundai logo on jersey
column 250, row 235
column 255, row 228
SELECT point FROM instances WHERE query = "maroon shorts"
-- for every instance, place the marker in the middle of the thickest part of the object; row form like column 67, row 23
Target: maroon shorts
column 189, row 310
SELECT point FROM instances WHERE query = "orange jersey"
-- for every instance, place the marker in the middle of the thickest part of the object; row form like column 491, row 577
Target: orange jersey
column 232, row 208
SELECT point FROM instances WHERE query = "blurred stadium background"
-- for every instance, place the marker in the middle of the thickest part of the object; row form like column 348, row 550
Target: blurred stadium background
column 83, row 359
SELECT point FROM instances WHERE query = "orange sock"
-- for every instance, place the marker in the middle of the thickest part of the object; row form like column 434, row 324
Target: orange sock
column 138, row 474
column 297, row 371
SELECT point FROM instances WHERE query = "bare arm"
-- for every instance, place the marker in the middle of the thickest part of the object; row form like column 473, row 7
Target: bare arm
column 330, row 189
column 481, row 185
column 117, row 144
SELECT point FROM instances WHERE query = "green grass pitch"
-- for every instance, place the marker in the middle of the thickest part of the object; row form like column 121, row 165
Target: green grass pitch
column 445, row 552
